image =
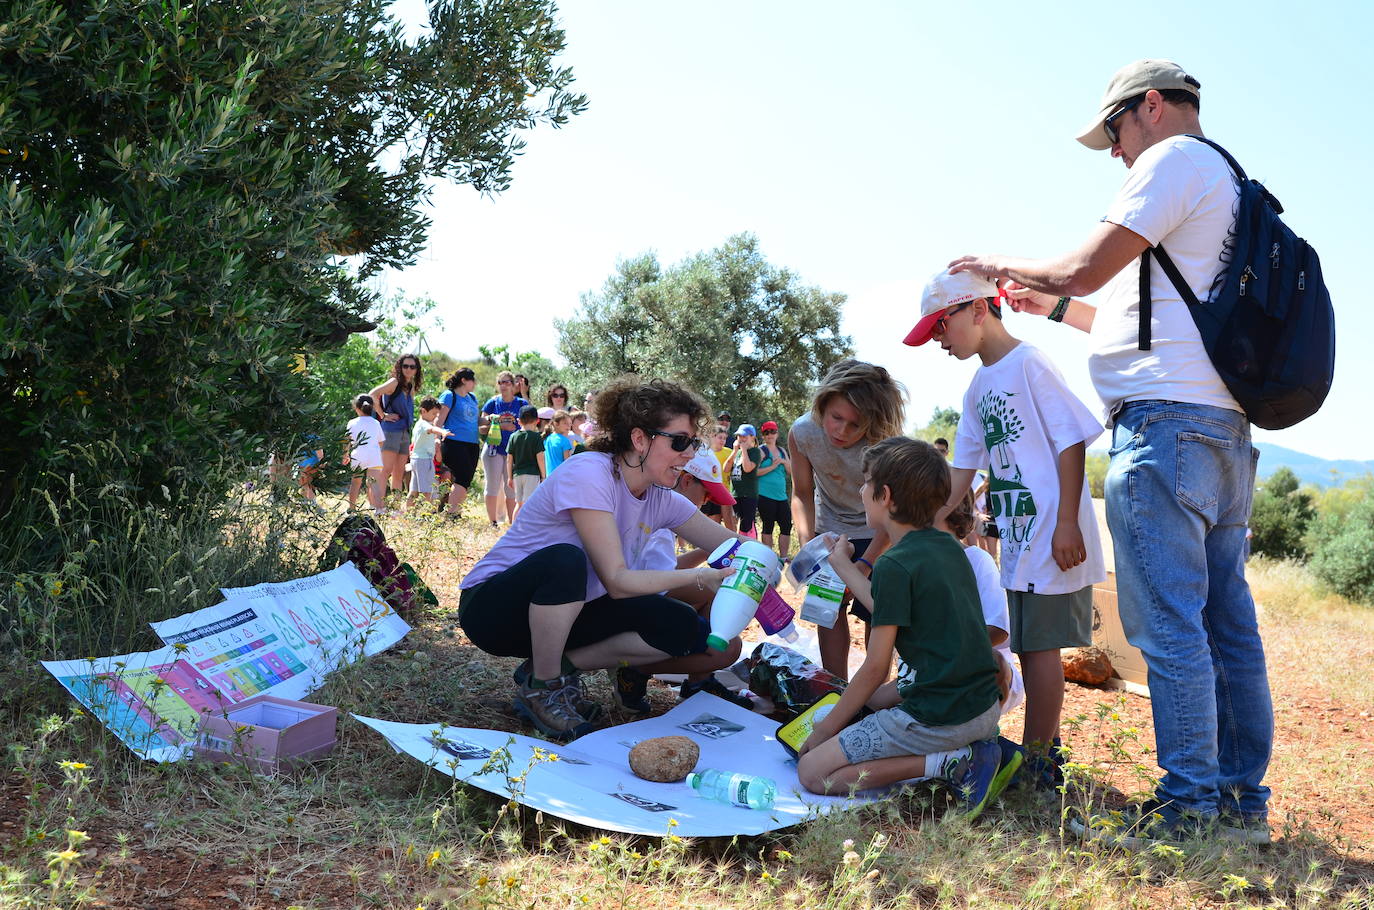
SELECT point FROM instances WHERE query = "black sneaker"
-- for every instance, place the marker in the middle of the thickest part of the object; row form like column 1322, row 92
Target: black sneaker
column 713, row 686
column 589, row 709
column 630, row 688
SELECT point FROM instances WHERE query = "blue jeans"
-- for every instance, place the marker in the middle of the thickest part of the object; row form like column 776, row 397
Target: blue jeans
column 1178, row 500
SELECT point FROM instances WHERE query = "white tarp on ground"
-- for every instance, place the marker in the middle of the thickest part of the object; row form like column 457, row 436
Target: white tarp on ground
column 273, row 639
column 591, row 782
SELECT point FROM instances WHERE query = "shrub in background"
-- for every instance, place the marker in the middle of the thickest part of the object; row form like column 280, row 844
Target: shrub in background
column 1280, row 516
column 1342, row 544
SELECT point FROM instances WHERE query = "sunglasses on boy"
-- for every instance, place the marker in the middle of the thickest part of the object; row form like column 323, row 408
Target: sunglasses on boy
column 943, row 322
column 679, row 441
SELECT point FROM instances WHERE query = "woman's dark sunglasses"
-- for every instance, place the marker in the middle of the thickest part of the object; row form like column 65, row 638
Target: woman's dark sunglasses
column 679, row 441
column 1109, row 125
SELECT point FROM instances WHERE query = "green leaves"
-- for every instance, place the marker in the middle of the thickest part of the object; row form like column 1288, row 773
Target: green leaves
column 747, row 335
column 193, row 193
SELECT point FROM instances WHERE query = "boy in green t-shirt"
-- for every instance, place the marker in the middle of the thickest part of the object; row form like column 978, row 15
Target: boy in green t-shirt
column 925, row 604
column 525, row 457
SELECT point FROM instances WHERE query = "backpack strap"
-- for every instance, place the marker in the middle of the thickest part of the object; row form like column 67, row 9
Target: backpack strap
column 1175, row 277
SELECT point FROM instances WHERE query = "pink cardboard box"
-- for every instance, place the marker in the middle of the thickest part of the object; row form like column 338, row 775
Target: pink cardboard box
column 268, row 733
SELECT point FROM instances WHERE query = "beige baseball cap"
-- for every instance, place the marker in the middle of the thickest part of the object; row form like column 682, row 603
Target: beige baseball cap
column 1131, row 80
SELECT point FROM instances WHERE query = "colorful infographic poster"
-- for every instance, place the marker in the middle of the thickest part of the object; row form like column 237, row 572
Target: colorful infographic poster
column 277, row 639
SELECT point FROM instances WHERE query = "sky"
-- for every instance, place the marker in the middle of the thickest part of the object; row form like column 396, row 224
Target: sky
column 867, row 144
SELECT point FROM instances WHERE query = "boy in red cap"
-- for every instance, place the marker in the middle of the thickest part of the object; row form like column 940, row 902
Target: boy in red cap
column 1021, row 423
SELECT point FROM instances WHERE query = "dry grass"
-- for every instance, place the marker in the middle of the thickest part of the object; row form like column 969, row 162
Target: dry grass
column 370, row 828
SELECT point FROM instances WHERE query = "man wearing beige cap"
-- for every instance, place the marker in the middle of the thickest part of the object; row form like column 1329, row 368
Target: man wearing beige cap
column 1182, row 467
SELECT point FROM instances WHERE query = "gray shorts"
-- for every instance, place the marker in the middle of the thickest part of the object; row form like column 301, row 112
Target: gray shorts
column 525, row 485
column 1048, row 622
column 494, row 470
column 892, row 732
column 422, row 476
column 396, row 442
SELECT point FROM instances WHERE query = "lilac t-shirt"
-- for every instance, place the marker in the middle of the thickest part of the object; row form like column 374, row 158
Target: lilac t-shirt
column 585, row 481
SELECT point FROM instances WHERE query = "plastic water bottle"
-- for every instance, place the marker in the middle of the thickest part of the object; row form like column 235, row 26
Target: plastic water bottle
column 738, row 789
column 756, row 569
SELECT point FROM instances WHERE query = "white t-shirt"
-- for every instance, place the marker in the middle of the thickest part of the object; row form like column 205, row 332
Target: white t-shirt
column 1018, row 416
column 366, row 452
column 1179, row 193
column 585, row 481
column 994, row 601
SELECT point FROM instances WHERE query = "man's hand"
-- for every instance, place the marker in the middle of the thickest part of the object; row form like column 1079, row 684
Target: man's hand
column 1067, row 545
column 986, row 266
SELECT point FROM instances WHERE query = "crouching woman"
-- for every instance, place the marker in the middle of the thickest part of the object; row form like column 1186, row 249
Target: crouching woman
column 558, row 588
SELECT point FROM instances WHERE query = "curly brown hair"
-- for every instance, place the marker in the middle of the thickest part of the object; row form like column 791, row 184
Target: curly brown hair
column 960, row 519
column 402, row 383
column 629, row 401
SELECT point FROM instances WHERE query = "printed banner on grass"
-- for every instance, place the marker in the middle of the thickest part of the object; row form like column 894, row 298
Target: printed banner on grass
column 590, row 781
column 268, row 639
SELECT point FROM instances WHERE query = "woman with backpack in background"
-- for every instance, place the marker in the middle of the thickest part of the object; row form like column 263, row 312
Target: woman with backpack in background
column 458, row 413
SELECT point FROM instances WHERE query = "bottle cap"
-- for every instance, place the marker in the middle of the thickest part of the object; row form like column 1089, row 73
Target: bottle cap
column 717, row 643
column 788, row 632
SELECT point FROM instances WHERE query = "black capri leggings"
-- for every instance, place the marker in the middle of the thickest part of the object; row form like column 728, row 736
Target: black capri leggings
column 746, row 507
column 496, row 613
column 461, row 460
column 775, row 510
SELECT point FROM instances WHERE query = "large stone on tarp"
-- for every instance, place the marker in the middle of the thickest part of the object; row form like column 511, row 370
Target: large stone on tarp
column 666, row 759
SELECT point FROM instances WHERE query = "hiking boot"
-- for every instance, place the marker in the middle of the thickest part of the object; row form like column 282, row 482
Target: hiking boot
column 1142, row 826
column 715, row 687
column 589, row 709
column 553, row 710
column 978, row 776
column 630, row 688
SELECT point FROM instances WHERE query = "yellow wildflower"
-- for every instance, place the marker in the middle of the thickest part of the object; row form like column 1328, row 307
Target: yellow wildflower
column 56, row 589
column 66, row 857
column 433, row 858
column 72, row 765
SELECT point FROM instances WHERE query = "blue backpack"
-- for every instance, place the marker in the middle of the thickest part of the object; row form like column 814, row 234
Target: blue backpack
column 1268, row 326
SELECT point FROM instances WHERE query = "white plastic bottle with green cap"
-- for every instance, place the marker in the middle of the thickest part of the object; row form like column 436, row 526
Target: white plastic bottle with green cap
column 756, row 569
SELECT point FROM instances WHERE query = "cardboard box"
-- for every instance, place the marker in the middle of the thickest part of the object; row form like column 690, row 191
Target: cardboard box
column 1108, row 635
column 268, row 733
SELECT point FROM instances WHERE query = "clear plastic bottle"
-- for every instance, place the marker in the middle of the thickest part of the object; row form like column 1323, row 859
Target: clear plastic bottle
column 744, row 790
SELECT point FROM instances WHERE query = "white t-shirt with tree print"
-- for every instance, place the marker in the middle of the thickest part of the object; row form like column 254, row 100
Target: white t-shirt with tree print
column 1018, row 416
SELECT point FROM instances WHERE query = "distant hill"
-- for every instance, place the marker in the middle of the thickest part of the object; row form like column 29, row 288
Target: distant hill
column 1310, row 468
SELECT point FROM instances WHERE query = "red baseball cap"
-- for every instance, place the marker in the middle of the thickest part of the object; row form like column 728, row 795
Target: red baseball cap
column 943, row 292
column 768, row 425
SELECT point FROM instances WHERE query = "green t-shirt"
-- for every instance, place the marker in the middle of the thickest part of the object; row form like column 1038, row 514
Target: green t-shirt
column 746, row 485
column 523, row 446
column 925, row 586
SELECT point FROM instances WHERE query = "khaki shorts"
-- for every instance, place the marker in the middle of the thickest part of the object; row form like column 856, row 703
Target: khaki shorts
column 1048, row 622
column 892, row 732
column 422, row 476
column 525, row 485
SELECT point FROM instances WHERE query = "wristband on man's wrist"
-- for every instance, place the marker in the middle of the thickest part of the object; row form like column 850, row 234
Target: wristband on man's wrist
column 865, row 562
column 1060, row 308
